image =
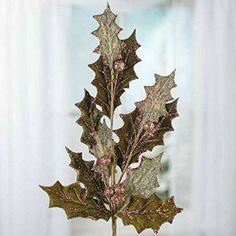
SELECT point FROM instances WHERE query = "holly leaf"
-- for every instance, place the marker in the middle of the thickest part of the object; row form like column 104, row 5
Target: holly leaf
column 154, row 105
column 95, row 134
column 135, row 139
column 113, row 73
column 150, row 213
column 86, row 175
column 89, row 120
column 74, row 201
column 107, row 33
column 142, row 181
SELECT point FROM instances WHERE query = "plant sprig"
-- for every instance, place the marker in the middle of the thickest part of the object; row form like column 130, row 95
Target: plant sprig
column 104, row 195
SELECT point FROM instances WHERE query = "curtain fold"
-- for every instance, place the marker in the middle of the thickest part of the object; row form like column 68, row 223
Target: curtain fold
column 33, row 99
column 215, row 114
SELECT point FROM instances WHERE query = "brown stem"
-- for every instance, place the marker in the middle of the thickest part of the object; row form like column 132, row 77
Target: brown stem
column 114, row 226
column 113, row 165
column 130, row 154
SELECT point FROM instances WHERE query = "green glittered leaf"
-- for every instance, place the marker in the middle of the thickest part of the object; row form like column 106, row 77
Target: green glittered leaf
column 104, row 141
column 142, row 180
column 154, row 105
column 146, row 137
column 74, row 201
column 107, row 33
column 86, row 175
column 114, row 73
column 148, row 213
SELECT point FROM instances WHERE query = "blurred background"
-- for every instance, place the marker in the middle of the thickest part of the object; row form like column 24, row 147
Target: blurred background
column 45, row 47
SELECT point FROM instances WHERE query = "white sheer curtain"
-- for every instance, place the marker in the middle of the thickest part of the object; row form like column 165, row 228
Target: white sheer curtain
column 214, row 188
column 203, row 146
column 33, row 114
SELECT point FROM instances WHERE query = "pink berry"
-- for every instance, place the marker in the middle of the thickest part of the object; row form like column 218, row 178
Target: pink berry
column 117, row 199
column 104, row 161
column 149, row 127
column 119, row 65
column 119, row 189
column 108, row 192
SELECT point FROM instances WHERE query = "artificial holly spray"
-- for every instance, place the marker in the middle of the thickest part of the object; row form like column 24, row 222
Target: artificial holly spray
column 99, row 192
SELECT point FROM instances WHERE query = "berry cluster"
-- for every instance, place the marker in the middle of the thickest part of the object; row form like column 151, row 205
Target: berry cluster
column 115, row 194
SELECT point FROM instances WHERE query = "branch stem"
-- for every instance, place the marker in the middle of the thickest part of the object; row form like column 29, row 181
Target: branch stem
column 130, row 154
column 114, row 226
column 113, row 164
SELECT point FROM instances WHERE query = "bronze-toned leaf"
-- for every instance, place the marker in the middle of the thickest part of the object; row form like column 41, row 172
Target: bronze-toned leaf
column 89, row 120
column 113, row 81
column 86, row 175
column 95, row 134
column 146, row 137
column 151, row 213
column 143, row 180
column 74, row 201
